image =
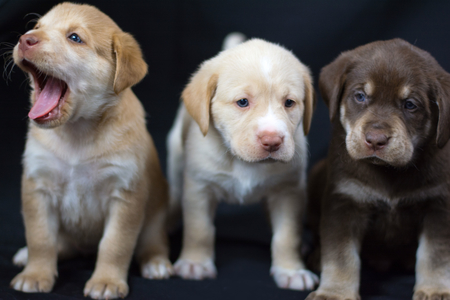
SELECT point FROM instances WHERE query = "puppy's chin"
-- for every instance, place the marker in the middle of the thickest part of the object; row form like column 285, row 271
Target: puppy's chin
column 381, row 160
column 263, row 156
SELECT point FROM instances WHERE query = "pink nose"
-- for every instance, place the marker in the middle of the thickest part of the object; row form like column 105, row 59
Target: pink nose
column 270, row 142
column 28, row 41
column 376, row 140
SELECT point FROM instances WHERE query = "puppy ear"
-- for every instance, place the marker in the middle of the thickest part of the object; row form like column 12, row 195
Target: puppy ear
column 310, row 103
column 198, row 94
column 443, row 102
column 130, row 66
column 331, row 82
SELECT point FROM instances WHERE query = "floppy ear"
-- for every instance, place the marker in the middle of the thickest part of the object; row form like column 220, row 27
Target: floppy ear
column 331, row 82
column 310, row 103
column 130, row 66
column 443, row 99
column 197, row 96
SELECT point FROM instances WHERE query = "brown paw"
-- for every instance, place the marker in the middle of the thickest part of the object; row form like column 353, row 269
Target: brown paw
column 157, row 268
column 431, row 295
column 30, row 281
column 106, row 288
column 326, row 295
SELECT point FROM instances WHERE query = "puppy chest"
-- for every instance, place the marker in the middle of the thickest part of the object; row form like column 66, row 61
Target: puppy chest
column 245, row 185
column 80, row 192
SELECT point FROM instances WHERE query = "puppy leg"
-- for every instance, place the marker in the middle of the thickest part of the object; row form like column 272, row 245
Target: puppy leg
column 433, row 257
column 341, row 229
column 288, row 268
column 41, row 230
column 116, row 248
column 197, row 255
column 153, row 250
column 65, row 251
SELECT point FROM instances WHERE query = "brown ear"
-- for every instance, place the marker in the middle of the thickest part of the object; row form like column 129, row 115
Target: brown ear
column 443, row 99
column 310, row 103
column 332, row 80
column 130, row 66
column 198, row 94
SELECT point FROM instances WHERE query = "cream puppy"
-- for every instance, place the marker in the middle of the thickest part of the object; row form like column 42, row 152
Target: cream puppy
column 240, row 137
column 91, row 176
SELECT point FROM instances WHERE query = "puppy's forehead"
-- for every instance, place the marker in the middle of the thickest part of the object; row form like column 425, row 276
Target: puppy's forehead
column 262, row 66
column 69, row 15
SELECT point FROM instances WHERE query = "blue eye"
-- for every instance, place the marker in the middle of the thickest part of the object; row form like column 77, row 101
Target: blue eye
column 242, row 102
column 409, row 105
column 360, row 97
column 289, row 103
column 75, row 38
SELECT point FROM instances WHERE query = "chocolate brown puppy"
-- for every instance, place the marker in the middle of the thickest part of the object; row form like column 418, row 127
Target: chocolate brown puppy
column 385, row 183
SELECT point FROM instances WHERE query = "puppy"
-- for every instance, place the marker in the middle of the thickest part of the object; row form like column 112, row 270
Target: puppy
column 91, row 172
column 385, row 184
column 239, row 136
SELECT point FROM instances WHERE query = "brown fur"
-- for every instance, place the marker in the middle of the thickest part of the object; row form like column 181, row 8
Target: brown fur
column 104, row 139
column 380, row 202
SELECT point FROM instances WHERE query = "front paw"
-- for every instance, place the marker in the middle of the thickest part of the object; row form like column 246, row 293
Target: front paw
column 331, row 294
column 105, row 288
column 300, row 279
column 189, row 269
column 157, row 268
column 33, row 281
column 431, row 294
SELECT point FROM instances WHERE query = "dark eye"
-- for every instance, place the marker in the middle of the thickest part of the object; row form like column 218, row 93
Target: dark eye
column 289, row 103
column 75, row 38
column 409, row 105
column 242, row 102
column 360, row 97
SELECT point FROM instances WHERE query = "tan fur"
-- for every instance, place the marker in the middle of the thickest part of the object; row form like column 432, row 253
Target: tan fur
column 215, row 154
column 91, row 177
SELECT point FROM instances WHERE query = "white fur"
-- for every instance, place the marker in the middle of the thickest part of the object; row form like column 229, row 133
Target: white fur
column 79, row 187
column 266, row 67
column 272, row 123
column 230, row 164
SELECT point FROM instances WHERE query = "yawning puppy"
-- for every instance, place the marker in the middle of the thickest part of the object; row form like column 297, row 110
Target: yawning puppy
column 91, row 172
column 240, row 137
column 385, row 185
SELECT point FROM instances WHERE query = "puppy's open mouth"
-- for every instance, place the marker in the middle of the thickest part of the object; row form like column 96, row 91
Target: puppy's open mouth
column 49, row 95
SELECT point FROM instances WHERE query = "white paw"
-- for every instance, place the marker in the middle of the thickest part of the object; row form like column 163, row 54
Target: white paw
column 300, row 279
column 33, row 281
column 189, row 269
column 21, row 257
column 105, row 288
column 158, row 268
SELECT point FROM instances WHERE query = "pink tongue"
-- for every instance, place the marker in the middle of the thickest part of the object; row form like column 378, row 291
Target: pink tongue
column 48, row 98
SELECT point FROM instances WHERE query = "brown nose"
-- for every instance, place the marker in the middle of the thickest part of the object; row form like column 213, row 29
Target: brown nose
column 28, row 41
column 376, row 140
column 271, row 142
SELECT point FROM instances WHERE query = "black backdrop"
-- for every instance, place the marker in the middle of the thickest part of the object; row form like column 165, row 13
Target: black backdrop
column 176, row 36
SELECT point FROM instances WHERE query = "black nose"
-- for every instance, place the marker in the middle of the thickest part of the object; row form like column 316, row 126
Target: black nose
column 376, row 140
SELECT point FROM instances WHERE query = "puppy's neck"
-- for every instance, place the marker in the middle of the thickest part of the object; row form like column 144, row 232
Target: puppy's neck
column 122, row 112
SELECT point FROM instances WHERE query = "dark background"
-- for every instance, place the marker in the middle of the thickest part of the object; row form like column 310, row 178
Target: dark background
column 176, row 36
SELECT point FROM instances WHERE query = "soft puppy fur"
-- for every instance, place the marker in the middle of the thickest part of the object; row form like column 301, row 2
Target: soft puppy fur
column 91, row 176
column 239, row 137
column 384, row 187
